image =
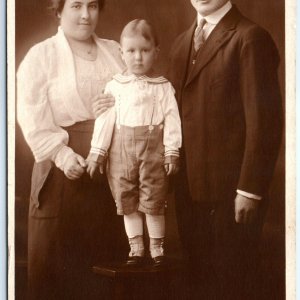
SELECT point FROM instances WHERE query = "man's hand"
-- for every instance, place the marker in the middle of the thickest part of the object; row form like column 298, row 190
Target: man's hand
column 74, row 166
column 101, row 103
column 245, row 209
column 171, row 169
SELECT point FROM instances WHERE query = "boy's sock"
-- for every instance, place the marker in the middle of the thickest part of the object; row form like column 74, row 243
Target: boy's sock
column 133, row 224
column 157, row 247
column 134, row 230
column 156, row 226
column 136, row 247
column 156, row 229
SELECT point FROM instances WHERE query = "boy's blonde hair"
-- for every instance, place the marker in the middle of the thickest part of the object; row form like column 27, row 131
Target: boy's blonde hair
column 140, row 27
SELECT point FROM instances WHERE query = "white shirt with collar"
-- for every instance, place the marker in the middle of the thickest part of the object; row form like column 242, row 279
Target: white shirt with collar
column 211, row 22
column 214, row 18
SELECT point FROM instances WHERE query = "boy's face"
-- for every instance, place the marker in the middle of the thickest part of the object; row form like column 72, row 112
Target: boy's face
column 206, row 7
column 139, row 54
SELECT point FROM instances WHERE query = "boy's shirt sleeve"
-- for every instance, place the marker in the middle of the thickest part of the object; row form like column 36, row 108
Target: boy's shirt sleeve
column 172, row 125
column 103, row 131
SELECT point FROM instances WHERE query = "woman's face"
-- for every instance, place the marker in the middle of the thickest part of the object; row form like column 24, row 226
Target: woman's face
column 79, row 18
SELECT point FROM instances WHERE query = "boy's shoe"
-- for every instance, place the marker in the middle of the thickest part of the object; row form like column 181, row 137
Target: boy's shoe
column 159, row 261
column 137, row 251
column 134, row 261
column 157, row 251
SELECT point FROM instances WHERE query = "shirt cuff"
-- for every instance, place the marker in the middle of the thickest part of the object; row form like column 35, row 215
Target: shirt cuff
column 61, row 156
column 169, row 152
column 98, row 158
column 249, row 195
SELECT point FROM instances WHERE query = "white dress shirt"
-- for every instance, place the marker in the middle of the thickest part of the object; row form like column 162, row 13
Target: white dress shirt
column 140, row 101
column 213, row 19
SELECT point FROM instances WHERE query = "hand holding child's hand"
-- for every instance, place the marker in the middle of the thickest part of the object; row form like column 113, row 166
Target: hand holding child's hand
column 91, row 167
column 74, row 166
column 171, row 169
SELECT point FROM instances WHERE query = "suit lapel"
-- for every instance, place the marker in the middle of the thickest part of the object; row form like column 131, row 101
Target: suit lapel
column 222, row 33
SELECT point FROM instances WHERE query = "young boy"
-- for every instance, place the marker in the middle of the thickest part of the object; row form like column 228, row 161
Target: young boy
column 140, row 138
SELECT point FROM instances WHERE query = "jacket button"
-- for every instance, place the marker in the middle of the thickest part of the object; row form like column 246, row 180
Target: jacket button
column 212, row 212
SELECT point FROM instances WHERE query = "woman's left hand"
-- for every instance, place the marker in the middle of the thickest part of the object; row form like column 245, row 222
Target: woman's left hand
column 102, row 103
column 74, row 166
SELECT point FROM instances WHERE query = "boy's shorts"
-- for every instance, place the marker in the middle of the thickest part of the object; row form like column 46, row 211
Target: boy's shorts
column 135, row 169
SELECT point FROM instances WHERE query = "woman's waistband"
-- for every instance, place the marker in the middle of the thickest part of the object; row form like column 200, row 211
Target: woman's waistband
column 83, row 126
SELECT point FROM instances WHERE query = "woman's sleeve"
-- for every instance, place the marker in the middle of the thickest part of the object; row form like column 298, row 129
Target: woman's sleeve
column 172, row 124
column 46, row 140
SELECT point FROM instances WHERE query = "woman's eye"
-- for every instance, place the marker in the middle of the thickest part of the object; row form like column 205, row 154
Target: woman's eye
column 76, row 6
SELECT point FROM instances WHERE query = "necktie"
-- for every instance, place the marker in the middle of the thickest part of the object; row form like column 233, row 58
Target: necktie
column 199, row 35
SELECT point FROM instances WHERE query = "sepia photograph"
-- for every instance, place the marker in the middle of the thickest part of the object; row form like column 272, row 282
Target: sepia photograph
column 149, row 153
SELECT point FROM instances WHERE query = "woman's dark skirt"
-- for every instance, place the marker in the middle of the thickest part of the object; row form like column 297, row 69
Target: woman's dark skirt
column 72, row 226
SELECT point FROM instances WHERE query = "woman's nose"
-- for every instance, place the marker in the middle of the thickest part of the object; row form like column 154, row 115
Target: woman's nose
column 85, row 14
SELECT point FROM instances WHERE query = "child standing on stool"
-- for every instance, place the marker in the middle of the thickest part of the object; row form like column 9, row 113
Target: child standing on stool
column 140, row 138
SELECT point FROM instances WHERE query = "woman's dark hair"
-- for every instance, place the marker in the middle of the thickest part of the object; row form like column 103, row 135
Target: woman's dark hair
column 58, row 5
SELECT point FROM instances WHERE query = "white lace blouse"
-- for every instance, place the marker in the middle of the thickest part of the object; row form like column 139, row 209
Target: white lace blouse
column 50, row 94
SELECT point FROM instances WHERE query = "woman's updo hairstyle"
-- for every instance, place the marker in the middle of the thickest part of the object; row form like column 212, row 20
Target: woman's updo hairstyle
column 58, row 5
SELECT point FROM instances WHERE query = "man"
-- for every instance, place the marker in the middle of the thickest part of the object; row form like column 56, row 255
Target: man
column 225, row 76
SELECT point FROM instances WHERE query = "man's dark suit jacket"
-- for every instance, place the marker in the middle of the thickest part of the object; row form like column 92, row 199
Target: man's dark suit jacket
column 230, row 108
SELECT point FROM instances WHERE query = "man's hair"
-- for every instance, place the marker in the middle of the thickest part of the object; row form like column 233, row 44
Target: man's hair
column 140, row 27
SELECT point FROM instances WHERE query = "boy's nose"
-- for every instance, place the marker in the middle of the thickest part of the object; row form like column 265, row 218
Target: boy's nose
column 138, row 55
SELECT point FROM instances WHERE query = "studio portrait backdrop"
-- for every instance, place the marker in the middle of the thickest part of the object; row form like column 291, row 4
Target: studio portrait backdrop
column 34, row 23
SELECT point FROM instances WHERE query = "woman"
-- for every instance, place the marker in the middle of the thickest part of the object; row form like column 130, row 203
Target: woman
column 71, row 218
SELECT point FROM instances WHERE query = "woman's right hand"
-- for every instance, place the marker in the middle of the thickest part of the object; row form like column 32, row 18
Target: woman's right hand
column 101, row 103
column 74, row 166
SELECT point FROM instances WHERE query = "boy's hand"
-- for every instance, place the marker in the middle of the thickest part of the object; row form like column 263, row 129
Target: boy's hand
column 101, row 168
column 91, row 167
column 101, row 103
column 171, row 169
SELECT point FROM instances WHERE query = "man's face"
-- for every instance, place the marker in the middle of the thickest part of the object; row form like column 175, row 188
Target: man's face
column 206, row 7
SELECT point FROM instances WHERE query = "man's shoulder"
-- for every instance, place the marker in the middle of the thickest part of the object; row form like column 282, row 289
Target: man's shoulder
column 181, row 37
column 248, row 30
